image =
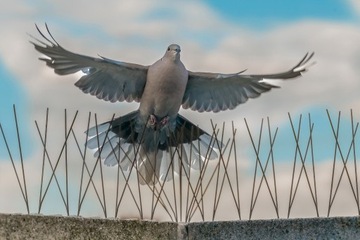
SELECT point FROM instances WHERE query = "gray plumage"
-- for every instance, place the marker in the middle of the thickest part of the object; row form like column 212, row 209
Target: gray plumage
column 161, row 88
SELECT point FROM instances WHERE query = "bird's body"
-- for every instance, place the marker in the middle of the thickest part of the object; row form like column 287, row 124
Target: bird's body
column 156, row 129
column 165, row 95
column 164, row 98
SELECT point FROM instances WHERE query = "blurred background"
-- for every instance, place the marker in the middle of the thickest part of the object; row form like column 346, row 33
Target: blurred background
column 215, row 36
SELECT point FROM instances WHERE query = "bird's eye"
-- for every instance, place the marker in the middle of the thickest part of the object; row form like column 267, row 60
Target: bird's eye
column 168, row 48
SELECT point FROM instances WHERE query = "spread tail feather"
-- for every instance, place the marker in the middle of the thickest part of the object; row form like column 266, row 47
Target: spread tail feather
column 149, row 166
column 158, row 153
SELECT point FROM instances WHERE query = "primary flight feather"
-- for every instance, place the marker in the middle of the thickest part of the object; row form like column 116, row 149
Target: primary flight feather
column 161, row 88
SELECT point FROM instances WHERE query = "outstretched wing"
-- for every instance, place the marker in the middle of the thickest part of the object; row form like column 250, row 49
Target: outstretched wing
column 217, row 92
column 104, row 78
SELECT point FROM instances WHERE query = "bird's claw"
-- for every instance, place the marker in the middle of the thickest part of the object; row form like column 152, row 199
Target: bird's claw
column 164, row 121
column 154, row 123
column 152, row 120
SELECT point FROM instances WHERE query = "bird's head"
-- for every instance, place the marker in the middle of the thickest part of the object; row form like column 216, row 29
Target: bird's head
column 173, row 52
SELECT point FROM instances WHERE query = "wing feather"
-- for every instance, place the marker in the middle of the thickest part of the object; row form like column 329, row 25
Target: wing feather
column 218, row 92
column 104, row 78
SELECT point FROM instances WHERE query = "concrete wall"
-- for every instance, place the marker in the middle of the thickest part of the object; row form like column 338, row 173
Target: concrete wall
column 57, row 227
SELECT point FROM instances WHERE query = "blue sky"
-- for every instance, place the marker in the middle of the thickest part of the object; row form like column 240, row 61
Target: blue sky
column 12, row 93
column 257, row 15
column 265, row 14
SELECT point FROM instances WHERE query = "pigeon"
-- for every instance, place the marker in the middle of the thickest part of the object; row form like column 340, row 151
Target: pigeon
column 153, row 133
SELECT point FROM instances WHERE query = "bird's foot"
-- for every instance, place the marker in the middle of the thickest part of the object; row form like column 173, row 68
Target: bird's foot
column 154, row 123
column 152, row 120
column 164, row 121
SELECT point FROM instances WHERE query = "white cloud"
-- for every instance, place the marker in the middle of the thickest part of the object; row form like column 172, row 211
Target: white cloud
column 330, row 83
column 209, row 43
column 355, row 5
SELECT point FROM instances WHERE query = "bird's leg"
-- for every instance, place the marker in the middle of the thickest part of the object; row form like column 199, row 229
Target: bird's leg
column 152, row 120
column 164, row 121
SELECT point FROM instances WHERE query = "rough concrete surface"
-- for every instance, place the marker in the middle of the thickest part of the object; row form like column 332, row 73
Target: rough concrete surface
column 57, row 227
column 314, row 228
column 16, row 226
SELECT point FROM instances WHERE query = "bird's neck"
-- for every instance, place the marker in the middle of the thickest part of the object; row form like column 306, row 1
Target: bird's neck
column 174, row 58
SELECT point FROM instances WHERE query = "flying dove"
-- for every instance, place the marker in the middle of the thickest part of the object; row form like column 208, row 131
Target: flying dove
column 161, row 89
